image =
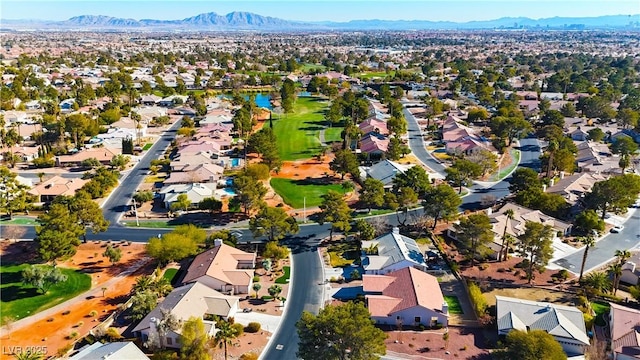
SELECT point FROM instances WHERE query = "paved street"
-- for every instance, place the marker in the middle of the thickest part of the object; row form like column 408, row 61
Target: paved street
column 120, row 198
column 603, row 252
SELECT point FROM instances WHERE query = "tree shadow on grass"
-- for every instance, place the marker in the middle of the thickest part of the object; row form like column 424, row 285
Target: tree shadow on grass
column 17, row 292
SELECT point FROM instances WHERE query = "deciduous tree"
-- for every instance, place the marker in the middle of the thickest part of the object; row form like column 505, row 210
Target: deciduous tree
column 462, row 172
column 194, row 340
column 531, row 345
column 42, row 277
column 345, row 162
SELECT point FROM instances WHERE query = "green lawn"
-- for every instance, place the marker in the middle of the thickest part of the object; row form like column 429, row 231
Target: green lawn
column 19, row 301
column 333, row 134
column 20, row 221
column 454, row 304
column 147, row 146
column 371, row 74
column 308, row 66
column 295, row 191
column 170, row 274
column 284, row 279
column 601, row 309
column 297, row 133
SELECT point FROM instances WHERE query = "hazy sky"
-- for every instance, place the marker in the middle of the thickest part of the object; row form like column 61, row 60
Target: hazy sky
column 319, row 10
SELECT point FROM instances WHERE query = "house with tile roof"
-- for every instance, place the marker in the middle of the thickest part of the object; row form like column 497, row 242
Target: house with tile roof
column 564, row 323
column 391, row 252
column 223, row 268
column 407, row 296
column 461, row 139
column 374, row 144
column 373, row 125
column 193, row 299
column 624, row 328
column 49, row 189
column 114, row 350
column 102, row 154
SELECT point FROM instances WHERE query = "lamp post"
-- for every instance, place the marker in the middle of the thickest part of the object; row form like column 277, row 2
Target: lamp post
column 304, row 210
column 135, row 210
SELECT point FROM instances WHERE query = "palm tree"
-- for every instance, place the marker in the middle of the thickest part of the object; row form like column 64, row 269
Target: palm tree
column 143, row 283
column 510, row 213
column 588, row 242
column 552, row 148
column 615, row 270
column 168, row 322
column 28, row 355
column 596, row 283
column 623, row 256
column 224, row 335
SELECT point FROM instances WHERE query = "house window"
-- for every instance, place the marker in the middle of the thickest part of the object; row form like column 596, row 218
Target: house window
column 169, row 341
column 417, row 319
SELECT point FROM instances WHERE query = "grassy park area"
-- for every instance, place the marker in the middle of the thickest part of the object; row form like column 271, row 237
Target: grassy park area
column 19, row 301
column 298, row 133
column 294, row 192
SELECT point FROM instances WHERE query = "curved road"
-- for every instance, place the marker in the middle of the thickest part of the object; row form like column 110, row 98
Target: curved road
column 306, row 292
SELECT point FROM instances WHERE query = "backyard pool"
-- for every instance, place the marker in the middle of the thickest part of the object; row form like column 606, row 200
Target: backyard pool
column 262, row 100
column 235, row 162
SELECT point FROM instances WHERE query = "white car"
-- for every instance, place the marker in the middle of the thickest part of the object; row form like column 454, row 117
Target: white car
column 617, row 228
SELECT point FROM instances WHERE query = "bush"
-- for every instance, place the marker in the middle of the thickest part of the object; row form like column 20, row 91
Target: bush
column 64, row 350
column 73, row 335
column 79, row 324
column 588, row 320
column 483, row 266
column 249, row 356
column 477, row 300
column 256, row 279
column 93, row 313
column 253, row 327
column 267, row 297
column 239, row 328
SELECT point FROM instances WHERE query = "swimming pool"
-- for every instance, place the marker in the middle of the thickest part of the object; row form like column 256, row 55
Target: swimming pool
column 229, row 191
column 235, row 162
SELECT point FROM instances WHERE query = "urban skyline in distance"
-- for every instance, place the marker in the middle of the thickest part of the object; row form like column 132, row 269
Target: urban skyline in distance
column 323, row 10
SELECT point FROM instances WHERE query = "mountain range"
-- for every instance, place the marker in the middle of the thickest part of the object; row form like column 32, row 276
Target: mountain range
column 250, row 21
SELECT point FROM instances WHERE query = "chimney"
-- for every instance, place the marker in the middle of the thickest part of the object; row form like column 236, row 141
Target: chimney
column 561, row 174
column 445, row 307
column 217, row 242
column 396, row 231
column 489, row 211
column 544, row 186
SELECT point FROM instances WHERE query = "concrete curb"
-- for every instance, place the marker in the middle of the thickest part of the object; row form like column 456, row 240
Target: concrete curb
column 284, row 310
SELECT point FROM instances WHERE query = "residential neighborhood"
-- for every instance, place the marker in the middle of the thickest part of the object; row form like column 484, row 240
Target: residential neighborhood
column 320, row 194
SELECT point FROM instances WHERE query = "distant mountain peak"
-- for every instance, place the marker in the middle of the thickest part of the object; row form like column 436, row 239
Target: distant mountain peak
column 240, row 20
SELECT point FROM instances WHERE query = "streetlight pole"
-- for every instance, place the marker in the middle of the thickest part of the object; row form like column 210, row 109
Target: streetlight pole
column 304, row 210
column 135, row 209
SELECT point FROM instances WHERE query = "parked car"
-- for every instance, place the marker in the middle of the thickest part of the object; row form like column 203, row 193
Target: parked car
column 617, row 228
column 247, row 310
